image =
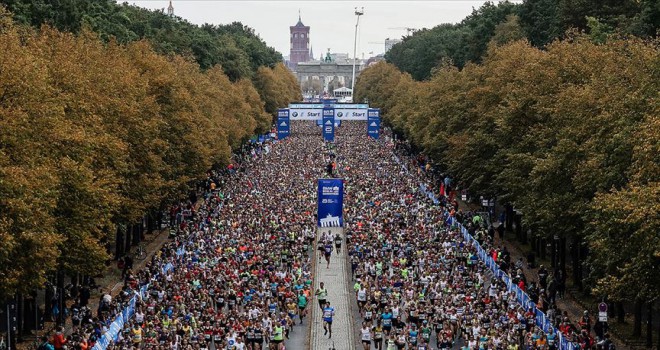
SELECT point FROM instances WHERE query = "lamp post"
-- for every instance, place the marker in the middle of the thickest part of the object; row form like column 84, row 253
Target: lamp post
column 358, row 13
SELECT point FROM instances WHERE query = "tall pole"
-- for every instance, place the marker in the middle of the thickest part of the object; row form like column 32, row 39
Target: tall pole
column 358, row 13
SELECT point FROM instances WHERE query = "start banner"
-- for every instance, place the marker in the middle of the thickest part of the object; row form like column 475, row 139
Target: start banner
column 305, row 113
column 330, row 203
column 351, row 113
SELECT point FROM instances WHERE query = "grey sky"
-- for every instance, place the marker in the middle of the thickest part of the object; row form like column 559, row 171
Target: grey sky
column 332, row 22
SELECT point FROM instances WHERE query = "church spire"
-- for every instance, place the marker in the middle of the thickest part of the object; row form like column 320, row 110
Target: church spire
column 311, row 53
column 170, row 9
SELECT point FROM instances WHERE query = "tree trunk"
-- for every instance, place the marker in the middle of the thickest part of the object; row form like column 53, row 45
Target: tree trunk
column 137, row 233
column 119, row 243
column 129, row 238
column 48, row 308
column 20, row 319
column 150, row 222
column 649, row 325
column 60, row 297
column 553, row 251
column 637, row 323
column 159, row 219
column 562, row 252
column 620, row 312
column 508, row 218
column 577, row 263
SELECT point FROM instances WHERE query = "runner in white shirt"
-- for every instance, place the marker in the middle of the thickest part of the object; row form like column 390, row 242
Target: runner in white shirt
column 365, row 335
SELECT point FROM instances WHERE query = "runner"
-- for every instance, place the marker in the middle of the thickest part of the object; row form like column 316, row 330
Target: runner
column 338, row 243
column 302, row 305
column 328, row 313
column 321, row 295
column 366, row 335
column 327, row 252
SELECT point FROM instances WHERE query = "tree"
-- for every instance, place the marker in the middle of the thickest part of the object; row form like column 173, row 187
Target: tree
column 508, row 31
column 277, row 87
column 540, row 21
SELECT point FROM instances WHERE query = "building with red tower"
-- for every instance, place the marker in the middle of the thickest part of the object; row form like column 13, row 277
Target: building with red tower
column 299, row 44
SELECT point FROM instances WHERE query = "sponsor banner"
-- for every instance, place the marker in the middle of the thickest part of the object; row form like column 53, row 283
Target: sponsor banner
column 329, row 124
column 335, row 105
column 283, row 123
column 373, row 123
column 305, row 113
column 351, row 113
column 330, row 203
column 316, row 113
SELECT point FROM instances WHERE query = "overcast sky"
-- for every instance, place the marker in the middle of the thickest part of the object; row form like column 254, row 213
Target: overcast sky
column 332, row 22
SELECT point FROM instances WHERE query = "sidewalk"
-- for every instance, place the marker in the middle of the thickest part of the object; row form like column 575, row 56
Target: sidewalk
column 336, row 281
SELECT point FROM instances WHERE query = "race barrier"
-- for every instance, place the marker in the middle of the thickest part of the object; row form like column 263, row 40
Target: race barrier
column 118, row 324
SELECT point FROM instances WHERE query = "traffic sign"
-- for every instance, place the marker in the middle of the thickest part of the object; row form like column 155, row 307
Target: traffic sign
column 602, row 312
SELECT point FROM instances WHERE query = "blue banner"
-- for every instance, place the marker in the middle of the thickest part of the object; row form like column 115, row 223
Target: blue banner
column 283, row 123
column 330, row 203
column 373, row 123
column 329, row 124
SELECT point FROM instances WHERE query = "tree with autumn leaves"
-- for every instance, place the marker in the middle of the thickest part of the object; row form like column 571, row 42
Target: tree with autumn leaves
column 96, row 134
column 568, row 134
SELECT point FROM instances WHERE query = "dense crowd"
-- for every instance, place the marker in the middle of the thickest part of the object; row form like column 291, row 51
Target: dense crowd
column 418, row 283
column 238, row 273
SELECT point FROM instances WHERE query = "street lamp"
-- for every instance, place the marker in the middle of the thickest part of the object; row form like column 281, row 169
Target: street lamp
column 358, row 13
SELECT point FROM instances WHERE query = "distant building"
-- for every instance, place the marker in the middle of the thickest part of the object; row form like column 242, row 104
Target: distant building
column 390, row 42
column 331, row 73
column 300, row 50
column 170, row 9
column 339, row 57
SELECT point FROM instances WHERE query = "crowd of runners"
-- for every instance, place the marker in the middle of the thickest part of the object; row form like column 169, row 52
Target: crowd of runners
column 239, row 273
column 418, row 284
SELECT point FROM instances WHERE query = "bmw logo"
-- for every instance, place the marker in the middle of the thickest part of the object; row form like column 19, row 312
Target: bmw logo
column 340, row 114
column 295, row 114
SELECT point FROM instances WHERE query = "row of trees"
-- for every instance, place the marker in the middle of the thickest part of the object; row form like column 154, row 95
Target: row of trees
column 539, row 21
column 95, row 134
column 570, row 135
column 234, row 46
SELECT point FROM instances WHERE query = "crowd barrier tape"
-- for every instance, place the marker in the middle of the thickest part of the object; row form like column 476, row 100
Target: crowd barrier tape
column 524, row 300
column 115, row 327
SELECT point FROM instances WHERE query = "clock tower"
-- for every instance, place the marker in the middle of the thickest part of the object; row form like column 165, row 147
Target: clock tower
column 299, row 44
